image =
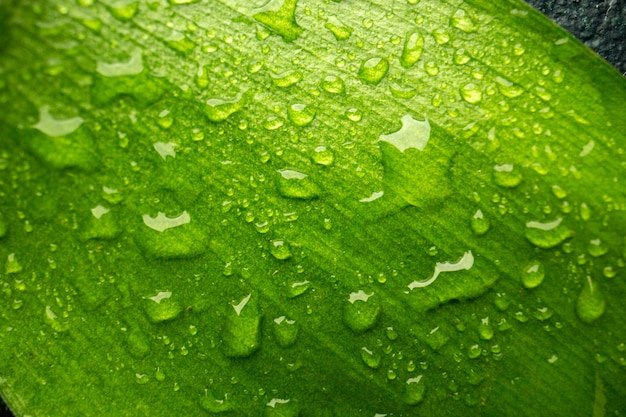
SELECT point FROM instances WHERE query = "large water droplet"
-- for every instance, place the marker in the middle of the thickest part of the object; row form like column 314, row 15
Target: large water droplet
column 124, row 10
column 161, row 307
column 546, row 235
column 414, row 134
column 280, row 16
column 165, row 149
column 170, row 237
column 508, row 88
column 471, row 93
column 373, row 70
column 369, row 358
column 62, row 143
column 414, row 390
column 463, row 21
column 219, row 109
column 280, row 249
column 133, row 66
column 413, row 48
column 361, row 311
column 295, row 184
column 533, row 275
column 590, row 305
column 301, row 114
column 241, row 331
column 285, row 331
column 465, row 263
column 507, row 175
column 100, row 225
column 333, row 84
column 338, row 28
column 287, row 78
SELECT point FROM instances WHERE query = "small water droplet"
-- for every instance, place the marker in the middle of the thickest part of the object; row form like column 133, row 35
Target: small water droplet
column 474, row 352
column 431, row 68
column 280, row 249
column 373, row 70
column 141, row 379
column 533, row 275
column 507, row 175
column 361, row 312
column 585, row 211
column 12, row 266
column 323, row 156
column 590, row 304
column 480, row 224
column 441, row 36
column 413, row 48
column 547, row 235
column 597, row 248
column 370, row 359
column 273, row 123
column 485, row 330
column 295, row 184
column 354, row 114
column 333, row 84
column 285, row 331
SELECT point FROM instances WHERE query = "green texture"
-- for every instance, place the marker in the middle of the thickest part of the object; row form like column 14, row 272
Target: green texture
column 308, row 208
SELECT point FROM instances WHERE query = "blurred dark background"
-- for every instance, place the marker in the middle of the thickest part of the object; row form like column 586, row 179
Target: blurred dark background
column 601, row 24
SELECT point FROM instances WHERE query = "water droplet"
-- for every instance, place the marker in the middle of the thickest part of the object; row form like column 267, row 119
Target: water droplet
column 100, row 225
column 141, row 379
column 323, row 156
column 354, row 114
column 507, row 175
column 533, row 275
column 391, row 333
column 273, row 123
column 170, row 237
column 399, row 91
column 373, row 70
column 431, row 68
column 62, row 143
column 465, row 263
column 413, row 134
column 124, row 10
column 485, row 330
column 333, row 84
column 54, row 321
column 219, row 109
column 282, row 408
column 208, row 402
column 508, row 88
column 597, row 248
column 285, row 331
column 547, row 235
column 12, row 266
column 590, row 304
column 474, row 352
column 461, row 57
column 241, row 331
column 177, row 2
column 369, row 358
column 338, row 28
column 471, row 93
column 543, row 313
column 280, row 16
column 480, row 224
column 414, row 390
column 298, row 288
column 287, row 78
column 463, row 21
column 441, row 36
column 161, row 307
column 295, row 184
column 165, row 149
column 280, row 249
column 413, row 48
column 585, row 212
column 361, row 312
column 301, row 114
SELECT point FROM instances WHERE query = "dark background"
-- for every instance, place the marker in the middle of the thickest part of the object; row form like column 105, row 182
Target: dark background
column 601, row 24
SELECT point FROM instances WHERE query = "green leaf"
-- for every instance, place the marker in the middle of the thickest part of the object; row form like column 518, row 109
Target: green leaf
column 308, row 208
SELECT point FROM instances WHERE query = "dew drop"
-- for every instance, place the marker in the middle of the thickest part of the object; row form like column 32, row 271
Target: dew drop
column 485, row 330
column 323, row 156
column 463, row 21
column 585, row 211
column 298, row 288
column 280, row 16
column 301, row 114
column 361, row 311
column 431, row 68
column 285, row 331
column 507, row 175
column 124, row 10
column 546, row 235
column 369, row 358
column 533, row 275
column 413, row 48
column 333, row 84
column 161, row 307
column 597, row 248
column 280, row 249
column 12, row 266
column 508, row 88
column 219, row 109
column 295, row 184
column 241, row 330
column 208, row 402
column 354, row 114
column 414, row 390
column 399, row 91
column 338, row 28
column 287, row 78
column 373, row 70
column 471, row 93
column 590, row 304
column 414, row 134
column 479, row 223
column 170, row 237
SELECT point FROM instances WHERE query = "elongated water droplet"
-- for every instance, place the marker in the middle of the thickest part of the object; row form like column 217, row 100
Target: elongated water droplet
column 279, row 407
column 547, row 235
column 507, row 175
column 465, row 263
column 241, row 331
column 285, row 331
column 361, row 311
column 533, row 275
column 12, row 266
column 414, row 390
column 508, row 88
column 412, row 51
column 485, row 330
column 373, row 70
column 480, row 224
column 369, row 358
column 301, row 114
column 590, row 304
column 219, row 109
column 287, row 78
column 295, row 184
column 338, row 29
column 124, row 10
column 280, row 16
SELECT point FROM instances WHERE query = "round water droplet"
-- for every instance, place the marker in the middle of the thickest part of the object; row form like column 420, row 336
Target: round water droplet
column 323, row 156
column 414, row 390
column 295, row 184
column 373, row 70
column 461, row 57
column 301, row 114
column 533, row 275
column 285, row 331
column 242, row 328
column 463, row 21
column 547, row 235
column 354, row 114
column 474, row 352
column 141, row 379
column 471, row 93
column 485, row 330
column 298, row 288
column 597, row 248
column 361, row 311
column 400, row 91
column 280, row 249
column 590, row 304
column 170, row 237
column 413, row 48
column 543, row 313
column 480, row 224
column 508, row 88
column 370, row 359
column 431, row 68
column 333, row 84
